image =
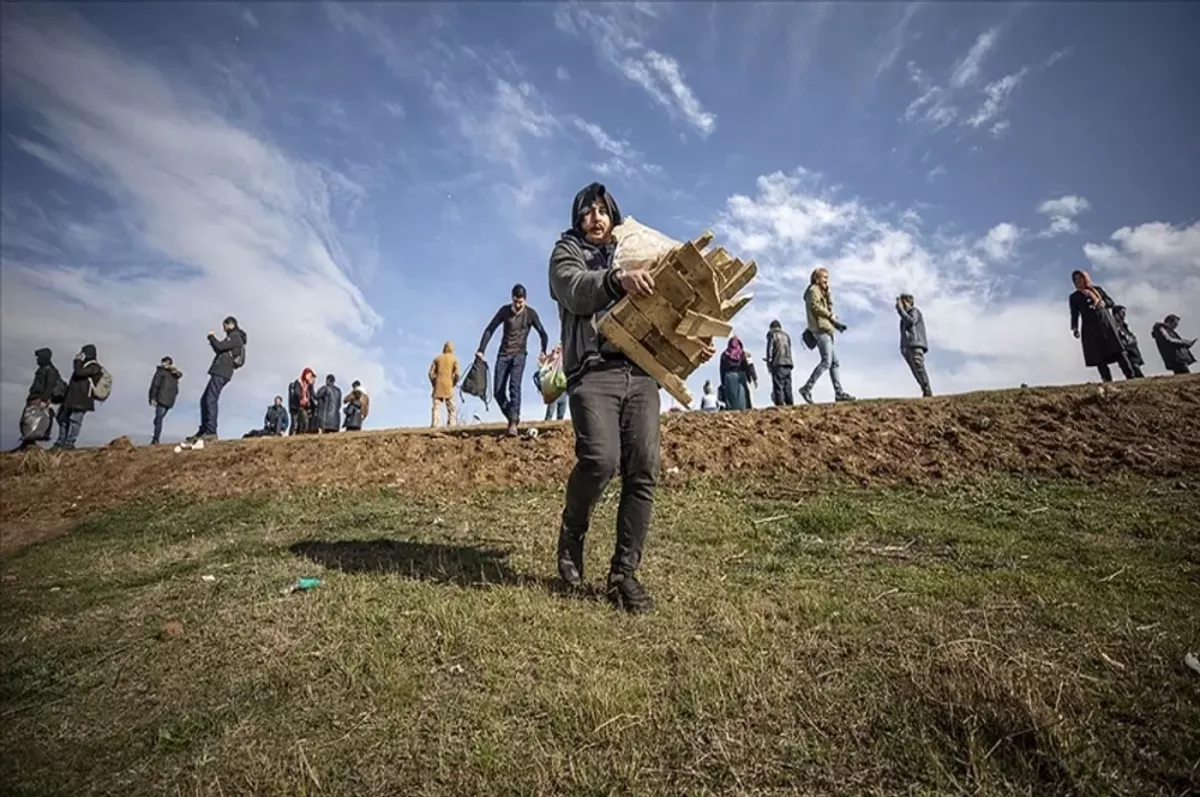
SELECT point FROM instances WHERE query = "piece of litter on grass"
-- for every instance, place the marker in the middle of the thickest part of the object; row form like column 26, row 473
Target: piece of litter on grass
column 771, row 519
column 303, row 584
column 672, row 471
column 209, row 579
column 1191, row 661
column 55, row 589
column 1111, row 661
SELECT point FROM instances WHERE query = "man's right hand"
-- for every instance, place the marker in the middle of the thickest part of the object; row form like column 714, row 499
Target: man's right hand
column 479, row 355
column 636, row 283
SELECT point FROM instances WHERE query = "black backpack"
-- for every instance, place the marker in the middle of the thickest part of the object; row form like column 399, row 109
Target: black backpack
column 239, row 357
column 476, row 381
column 58, row 393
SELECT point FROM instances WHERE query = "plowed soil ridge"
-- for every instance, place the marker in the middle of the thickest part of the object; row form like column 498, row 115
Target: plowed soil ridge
column 1150, row 427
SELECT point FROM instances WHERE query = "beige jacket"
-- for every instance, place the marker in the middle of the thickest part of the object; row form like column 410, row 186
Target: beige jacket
column 818, row 306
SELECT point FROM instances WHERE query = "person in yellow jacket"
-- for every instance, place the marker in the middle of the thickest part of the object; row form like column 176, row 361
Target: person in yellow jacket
column 444, row 375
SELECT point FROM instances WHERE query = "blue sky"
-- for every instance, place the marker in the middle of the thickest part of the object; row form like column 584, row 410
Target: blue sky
column 359, row 184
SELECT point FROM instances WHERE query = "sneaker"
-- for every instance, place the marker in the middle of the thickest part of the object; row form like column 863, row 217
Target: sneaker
column 513, row 431
column 844, row 397
column 806, row 394
column 208, row 438
column 627, row 593
column 570, row 560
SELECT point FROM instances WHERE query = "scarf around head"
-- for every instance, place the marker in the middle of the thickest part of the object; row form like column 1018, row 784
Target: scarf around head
column 734, row 353
column 305, row 388
column 1089, row 288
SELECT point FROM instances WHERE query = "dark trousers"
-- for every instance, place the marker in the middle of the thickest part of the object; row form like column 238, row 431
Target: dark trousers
column 510, row 369
column 299, row 422
column 1125, row 366
column 1180, row 370
column 209, row 404
column 781, row 386
column 916, row 363
column 615, row 412
column 160, row 412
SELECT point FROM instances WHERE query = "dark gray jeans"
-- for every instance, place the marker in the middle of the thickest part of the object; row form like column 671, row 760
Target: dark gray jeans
column 615, row 412
column 916, row 363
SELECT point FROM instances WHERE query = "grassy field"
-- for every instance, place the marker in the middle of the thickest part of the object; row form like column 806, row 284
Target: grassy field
column 1003, row 638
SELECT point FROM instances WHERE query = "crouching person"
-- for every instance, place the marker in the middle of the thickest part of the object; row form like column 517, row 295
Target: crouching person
column 614, row 404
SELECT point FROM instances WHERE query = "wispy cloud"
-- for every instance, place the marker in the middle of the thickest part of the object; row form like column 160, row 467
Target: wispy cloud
column 215, row 222
column 248, row 17
column 1000, row 242
column 1062, row 213
column 896, row 39
column 996, row 96
column 622, row 160
column 617, row 33
column 966, row 71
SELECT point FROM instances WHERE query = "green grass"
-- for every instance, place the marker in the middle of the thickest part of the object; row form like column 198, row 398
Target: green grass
column 1002, row 638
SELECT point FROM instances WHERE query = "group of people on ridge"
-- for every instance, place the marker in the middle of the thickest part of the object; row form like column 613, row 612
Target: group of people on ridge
column 317, row 410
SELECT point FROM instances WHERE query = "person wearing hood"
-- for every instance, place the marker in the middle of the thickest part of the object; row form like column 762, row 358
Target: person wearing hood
column 358, row 407
column 329, row 406
column 443, row 378
column 1098, row 332
column 229, row 354
column 164, row 388
column 1175, row 350
column 85, row 372
column 1129, row 340
column 738, row 377
column 517, row 318
column 46, row 389
column 275, row 423
column 302, row 401
column 615, row 406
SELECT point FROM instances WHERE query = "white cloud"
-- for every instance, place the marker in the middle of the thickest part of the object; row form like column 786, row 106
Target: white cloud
column 224, row 223
column 249, row 18
column 623, row 159
column 967, row 69
column 1000, row 242
column 395, row 110
column 933, row 174
column 996, row 96
column 1062, row 213
column 562, row 74
column 1154, row 245
column 617, row 33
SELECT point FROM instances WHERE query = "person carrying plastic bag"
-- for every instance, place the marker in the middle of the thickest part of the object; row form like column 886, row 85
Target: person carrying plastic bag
column 551, row 382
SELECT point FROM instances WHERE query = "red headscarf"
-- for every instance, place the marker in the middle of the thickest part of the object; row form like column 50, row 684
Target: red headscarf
column 305, row 387
column 1088, row 289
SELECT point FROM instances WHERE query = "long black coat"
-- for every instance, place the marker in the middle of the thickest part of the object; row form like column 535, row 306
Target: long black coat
column 1098, row 333
column 79, row 388
column 329, row 408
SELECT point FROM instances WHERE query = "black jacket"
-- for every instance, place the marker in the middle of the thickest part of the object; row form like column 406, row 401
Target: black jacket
column 329, row 408
column 276, row 421
column 222, row 364
column 164, row 387
column 1176, row 352
column 45, row 379
column 84, row 374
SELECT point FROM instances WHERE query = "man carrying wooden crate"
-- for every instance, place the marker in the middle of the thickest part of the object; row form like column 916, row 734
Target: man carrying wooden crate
column 614, row 404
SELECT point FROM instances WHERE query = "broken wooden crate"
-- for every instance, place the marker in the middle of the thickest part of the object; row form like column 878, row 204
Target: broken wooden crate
column 666, row 333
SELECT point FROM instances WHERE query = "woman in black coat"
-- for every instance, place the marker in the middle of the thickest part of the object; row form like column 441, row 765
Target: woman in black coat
column 1102, row 344
column 328, row 417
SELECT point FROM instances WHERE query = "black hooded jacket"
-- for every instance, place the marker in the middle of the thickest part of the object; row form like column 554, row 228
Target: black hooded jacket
column 329, row 407
column 84, row 374
column 45, row 379
column 222, row 364
column 584, row 283
column 164, row 387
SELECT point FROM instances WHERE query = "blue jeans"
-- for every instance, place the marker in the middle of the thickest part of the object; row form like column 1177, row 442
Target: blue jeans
column 558, row 407
column 70, row 424
column 510, row 368
column 208, row 404
column 829, row 362
column 160, row 412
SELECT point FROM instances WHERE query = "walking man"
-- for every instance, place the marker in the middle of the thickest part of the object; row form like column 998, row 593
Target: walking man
column 517, row 318
column 164, row 388
column 822, row 324
column 614, row 404
column 779, row 363
column 443, row 378
column 913, row 343
column 229, row 355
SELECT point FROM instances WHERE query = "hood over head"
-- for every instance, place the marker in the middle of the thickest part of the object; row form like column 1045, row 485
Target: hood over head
column 89, row 352
column 586, row 198
column 43, row 356
column 448, row 348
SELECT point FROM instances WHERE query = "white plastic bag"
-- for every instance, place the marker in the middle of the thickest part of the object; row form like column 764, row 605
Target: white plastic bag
column 638, row 246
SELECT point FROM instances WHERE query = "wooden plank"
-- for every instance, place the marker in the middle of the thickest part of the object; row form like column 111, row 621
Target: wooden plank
column 666, row 351
column 633, row 321
column 674, row 288
column 698, row 325
column 739, row 280
column 701, row 277
column 704, row 240
column 644, row 360
column 730, row 309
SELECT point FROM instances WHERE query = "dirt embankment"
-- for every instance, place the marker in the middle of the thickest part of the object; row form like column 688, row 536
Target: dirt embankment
column 1151, row 427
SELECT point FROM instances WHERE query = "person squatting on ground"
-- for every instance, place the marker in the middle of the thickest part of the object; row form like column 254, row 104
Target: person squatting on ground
column 1099, row 337
column 358, row 407
column 913, row 343
column 329, row 406
column 822, row 324
column 708, row 399
column 47, row 388
column 443, row 378
column 164, row 389
column 1129, row 340
column 229, row 355
column 779, row 364
column 302, row 401
column 275, row 422
column 517, row 318
column 738, row 377
column 1176, row 352
column 79, row 400
column 614, row 404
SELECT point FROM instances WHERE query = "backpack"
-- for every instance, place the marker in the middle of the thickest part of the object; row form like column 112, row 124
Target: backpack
column 59, row 392
column 239, row 357
column 102, row 387
column 476, row 381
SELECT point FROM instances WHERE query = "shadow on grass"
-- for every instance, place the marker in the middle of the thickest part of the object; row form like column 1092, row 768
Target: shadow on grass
column 460, row 565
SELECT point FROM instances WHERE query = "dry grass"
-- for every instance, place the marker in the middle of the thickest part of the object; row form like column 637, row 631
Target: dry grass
column 1002, row 638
